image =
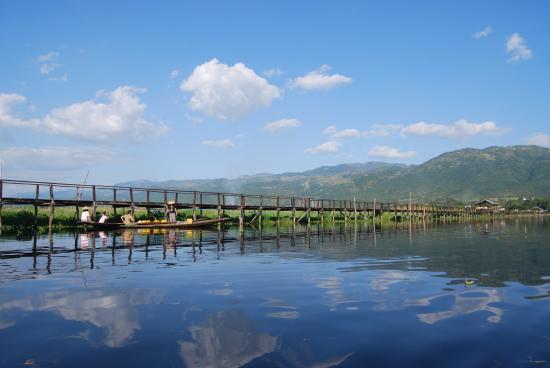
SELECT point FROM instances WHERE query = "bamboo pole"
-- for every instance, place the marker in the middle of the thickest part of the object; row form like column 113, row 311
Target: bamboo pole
column 94, row 203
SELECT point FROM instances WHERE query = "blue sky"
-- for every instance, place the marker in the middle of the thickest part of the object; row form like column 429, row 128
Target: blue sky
column 178, row 90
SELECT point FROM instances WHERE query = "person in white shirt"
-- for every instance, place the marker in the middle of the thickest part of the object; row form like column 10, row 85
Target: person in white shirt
column 85, row 216
column 103, row 217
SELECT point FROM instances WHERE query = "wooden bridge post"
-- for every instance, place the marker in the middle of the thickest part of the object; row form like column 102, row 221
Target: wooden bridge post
column 223, row 204
column 344, row 210
column 194, row 206
column 308, row 210
column 165, row 197
column 219, row 206
column 76, row 207
column 114, row 200
column 322, row 213
column 148, row 200
column 278, row 209
column 241, row 213
column 1, row 201
column 132, row 204
column 260, row 216
column 333, row 212
column 374, row 211
column 293, row 203
column 200, row 205
column 36, row 196
column 354, row 210
column 52, row 207
column 94, row 204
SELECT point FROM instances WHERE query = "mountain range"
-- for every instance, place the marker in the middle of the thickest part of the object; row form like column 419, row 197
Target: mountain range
column 464, row 175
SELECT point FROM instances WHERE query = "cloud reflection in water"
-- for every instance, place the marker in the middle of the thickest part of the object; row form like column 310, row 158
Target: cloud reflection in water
column 226, row 339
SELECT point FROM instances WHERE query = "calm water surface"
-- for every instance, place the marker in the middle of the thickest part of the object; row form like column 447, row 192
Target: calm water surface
column 345, row 296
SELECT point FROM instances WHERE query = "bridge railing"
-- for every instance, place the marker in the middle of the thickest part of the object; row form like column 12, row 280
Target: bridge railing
column 44, row 193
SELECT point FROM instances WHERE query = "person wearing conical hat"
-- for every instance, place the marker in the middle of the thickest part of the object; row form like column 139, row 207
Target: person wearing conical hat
column 85, row 216
column 172, row 212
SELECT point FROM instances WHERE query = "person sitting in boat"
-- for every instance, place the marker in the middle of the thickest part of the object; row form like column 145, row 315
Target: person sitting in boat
column 128, row 218
column 85, row 216
column 172, row 212
column 103, row 217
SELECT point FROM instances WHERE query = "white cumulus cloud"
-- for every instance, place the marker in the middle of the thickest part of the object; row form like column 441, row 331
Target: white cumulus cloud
column 8, row 117
column 346, row 133
column 386, row 152
column 282, row 124
column 457, row 130
column 334, row 133
column 119, row 115
column 378, row 130
column 484, row 33
column 539, row 139
column 46, row 69
column 47, row 57
column 219, row 143
column 327, row 147
column 515, row 46
column 49, row 63
column 227, row 92
column 174, row 73
column 320, row 80
column 381, row 130
column 331, row 129
column 273, row 72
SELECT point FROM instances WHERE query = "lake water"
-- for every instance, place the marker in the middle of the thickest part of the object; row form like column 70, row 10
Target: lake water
column 346, row 296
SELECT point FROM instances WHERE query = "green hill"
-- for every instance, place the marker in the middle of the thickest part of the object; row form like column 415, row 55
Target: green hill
column 466, row 174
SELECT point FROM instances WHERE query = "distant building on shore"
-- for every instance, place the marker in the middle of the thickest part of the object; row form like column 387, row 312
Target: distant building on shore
column 486, row 205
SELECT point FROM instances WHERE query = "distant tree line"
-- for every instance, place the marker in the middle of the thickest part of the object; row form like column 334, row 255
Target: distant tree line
column 527, row 203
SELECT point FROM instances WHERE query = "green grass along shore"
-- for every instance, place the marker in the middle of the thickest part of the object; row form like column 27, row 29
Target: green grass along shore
column 21, row 218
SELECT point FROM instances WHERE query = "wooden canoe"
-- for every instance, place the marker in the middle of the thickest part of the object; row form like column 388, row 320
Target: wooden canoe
column 101, row 225
column 175, row 225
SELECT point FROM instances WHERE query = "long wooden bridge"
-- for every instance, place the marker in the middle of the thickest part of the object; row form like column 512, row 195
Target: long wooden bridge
column 52, row 195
